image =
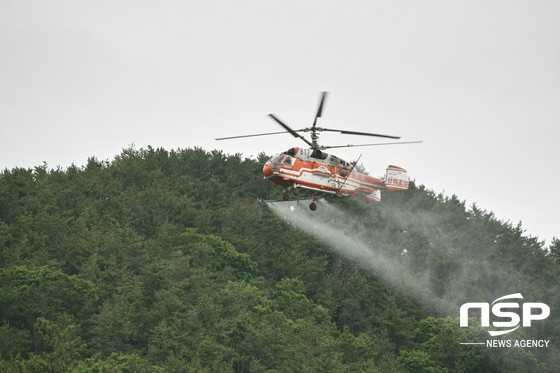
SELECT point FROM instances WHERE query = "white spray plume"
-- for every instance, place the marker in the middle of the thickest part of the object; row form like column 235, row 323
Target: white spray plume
column 338, row 230
column 343, row 233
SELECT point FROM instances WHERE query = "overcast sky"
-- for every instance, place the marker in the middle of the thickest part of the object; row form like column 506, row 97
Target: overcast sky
column 477, row 81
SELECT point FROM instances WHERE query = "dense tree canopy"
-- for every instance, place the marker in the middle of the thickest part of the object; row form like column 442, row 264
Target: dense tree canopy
column 167, row 261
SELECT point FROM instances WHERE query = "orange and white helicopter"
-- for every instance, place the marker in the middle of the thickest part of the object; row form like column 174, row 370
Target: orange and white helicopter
column 321, row 173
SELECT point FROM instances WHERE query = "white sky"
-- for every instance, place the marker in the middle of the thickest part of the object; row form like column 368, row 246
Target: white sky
column 478, row 81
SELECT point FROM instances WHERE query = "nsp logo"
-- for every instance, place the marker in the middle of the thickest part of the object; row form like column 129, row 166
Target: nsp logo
column 530, row 312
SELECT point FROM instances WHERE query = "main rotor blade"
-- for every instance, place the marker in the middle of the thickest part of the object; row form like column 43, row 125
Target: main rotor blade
column 320, row 110
column 287, row 128
column 383, row 143
column 257, row 134
column 344, row 132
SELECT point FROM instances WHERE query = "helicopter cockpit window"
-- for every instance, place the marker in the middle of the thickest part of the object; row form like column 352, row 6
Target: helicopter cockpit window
column 287, row 160
column 277, row 158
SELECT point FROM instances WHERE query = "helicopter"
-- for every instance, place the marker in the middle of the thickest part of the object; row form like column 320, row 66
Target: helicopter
column 321, row 173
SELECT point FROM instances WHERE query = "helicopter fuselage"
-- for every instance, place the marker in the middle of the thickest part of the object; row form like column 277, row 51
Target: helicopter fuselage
column 317, row 171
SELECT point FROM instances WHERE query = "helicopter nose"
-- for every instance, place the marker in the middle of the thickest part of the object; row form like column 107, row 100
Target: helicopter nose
column 267, row 170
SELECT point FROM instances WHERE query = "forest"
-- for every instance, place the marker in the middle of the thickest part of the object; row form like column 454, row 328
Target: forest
column 170, row 261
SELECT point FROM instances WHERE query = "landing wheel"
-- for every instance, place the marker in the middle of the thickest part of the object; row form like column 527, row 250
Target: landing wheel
column 313, row 206
column 285, row 196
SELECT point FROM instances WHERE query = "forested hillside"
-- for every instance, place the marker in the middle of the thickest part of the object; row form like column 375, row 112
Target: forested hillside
column 167, row 261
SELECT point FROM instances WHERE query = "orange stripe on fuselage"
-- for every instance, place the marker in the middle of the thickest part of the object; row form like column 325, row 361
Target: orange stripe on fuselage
column 364, row 183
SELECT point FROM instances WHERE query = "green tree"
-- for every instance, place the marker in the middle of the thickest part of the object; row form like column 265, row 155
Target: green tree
column 30, row 292
column 58, row 348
